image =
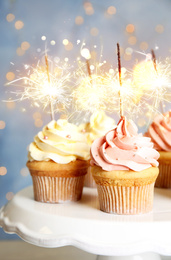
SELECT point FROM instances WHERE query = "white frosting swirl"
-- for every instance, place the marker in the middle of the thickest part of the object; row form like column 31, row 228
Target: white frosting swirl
column 61, row 142
column 99, row 124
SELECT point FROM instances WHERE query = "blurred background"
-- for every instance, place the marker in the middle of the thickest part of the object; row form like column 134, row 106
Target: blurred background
column 63, row 26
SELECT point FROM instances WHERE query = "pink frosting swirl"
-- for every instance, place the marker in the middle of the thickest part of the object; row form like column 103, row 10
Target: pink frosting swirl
column 160, row 132
column 124, row 149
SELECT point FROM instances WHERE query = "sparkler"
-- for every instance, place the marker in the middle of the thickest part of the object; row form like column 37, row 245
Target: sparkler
column 155, row 68
column 47, row 69
column 44, row 86
column 120, row 80
column 152, row 82
column 102, row 91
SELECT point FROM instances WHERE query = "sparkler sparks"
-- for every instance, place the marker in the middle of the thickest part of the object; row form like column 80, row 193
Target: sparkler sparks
column 44, row 88
column 152, row 86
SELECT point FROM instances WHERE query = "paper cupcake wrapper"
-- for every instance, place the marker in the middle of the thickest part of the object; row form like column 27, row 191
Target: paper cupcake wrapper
column 57, row 189
column 164, row 177
column 126, row 200
column 89, row 181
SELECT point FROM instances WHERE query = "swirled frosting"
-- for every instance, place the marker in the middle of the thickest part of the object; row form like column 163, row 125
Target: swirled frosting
column 60, row 142
column 99, row 124
column 124, row 149
column 160, row 132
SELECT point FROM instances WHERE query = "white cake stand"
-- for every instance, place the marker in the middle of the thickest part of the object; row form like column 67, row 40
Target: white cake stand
column 83, row 225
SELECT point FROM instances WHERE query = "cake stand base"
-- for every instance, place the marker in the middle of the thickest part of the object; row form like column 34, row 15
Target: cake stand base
column 81, row 224
column 143, row 256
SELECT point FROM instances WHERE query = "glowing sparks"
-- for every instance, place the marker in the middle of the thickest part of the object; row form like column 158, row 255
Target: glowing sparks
column 44, row 88
column 101, row 90
column 152, row 86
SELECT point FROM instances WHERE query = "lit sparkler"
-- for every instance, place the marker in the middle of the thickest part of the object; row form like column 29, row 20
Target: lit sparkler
column 152, row 82
column 91, row 92
column 45, row 85
column 100, row 90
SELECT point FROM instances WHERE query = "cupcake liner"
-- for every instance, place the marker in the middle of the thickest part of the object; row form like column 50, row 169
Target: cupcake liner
column 57, row 189
column 164, row 177
column 126, row 200
column 89, row 181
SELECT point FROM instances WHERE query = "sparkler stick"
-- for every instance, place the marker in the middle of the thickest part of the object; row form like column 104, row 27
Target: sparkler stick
column 88, row 68
column 155, row 67
column 120, row 80
column 50, row 100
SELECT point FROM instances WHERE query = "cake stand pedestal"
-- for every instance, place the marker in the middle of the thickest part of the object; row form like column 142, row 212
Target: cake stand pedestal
column 83, row 225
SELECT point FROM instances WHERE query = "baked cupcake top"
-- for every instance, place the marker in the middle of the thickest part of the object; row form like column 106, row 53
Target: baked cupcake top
column 61, row 142
column 99, row 124
column 160, row 132
column 124, row 149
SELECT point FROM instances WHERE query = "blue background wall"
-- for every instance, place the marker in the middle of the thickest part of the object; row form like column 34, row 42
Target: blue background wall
column 96, row 24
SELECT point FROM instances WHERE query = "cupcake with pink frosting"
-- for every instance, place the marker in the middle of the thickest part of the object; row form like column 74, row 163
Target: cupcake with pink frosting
column 160, row 134
column 124, row 166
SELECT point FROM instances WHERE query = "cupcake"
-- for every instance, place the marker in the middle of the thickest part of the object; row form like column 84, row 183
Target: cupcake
column 160, row 134
column 99, row 124
column 58, row 160
column 124, row 167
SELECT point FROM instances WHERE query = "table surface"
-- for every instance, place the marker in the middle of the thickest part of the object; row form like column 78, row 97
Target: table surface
column 83, row 225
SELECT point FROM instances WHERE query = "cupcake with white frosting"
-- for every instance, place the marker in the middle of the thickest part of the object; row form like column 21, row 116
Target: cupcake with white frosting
column 58, row 160
column 99, row 124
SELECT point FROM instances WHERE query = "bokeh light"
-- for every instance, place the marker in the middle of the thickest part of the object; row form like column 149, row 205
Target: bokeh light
column 9, row 195
column 10, row 17
column 65, row 42
column 25, row 46
column 20, row 51
column 130, row 28
column 3, row 170
column 159, row 28
column 10, row 76
column 132, row 40
column 111, row 10
column 94, row 31
column 19, row 25
column 38, row 122
column 2, row 124
column 79, row 20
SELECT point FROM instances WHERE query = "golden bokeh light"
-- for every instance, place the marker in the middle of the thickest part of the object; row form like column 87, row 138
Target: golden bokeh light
column 79, row 20
column 65, row 42
column 25, row 46
column 144, row 46
column 94, row 31
column 9, row 195
column 52, row 42
column 37, row 115
column 93, row 55
column 88, row 8
column 19, row 25
column 10, row 105
column 130, row 28
column 10, row 76
column 43, row 38
column 3, row 170
column 159, row 28
column 20, row 52
column 111, row 10
column 132, row 40
column 24, row 172
column 2, row 124
column 10, row 17
column 127, row 57
column 38, row 122
column 69, row 46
